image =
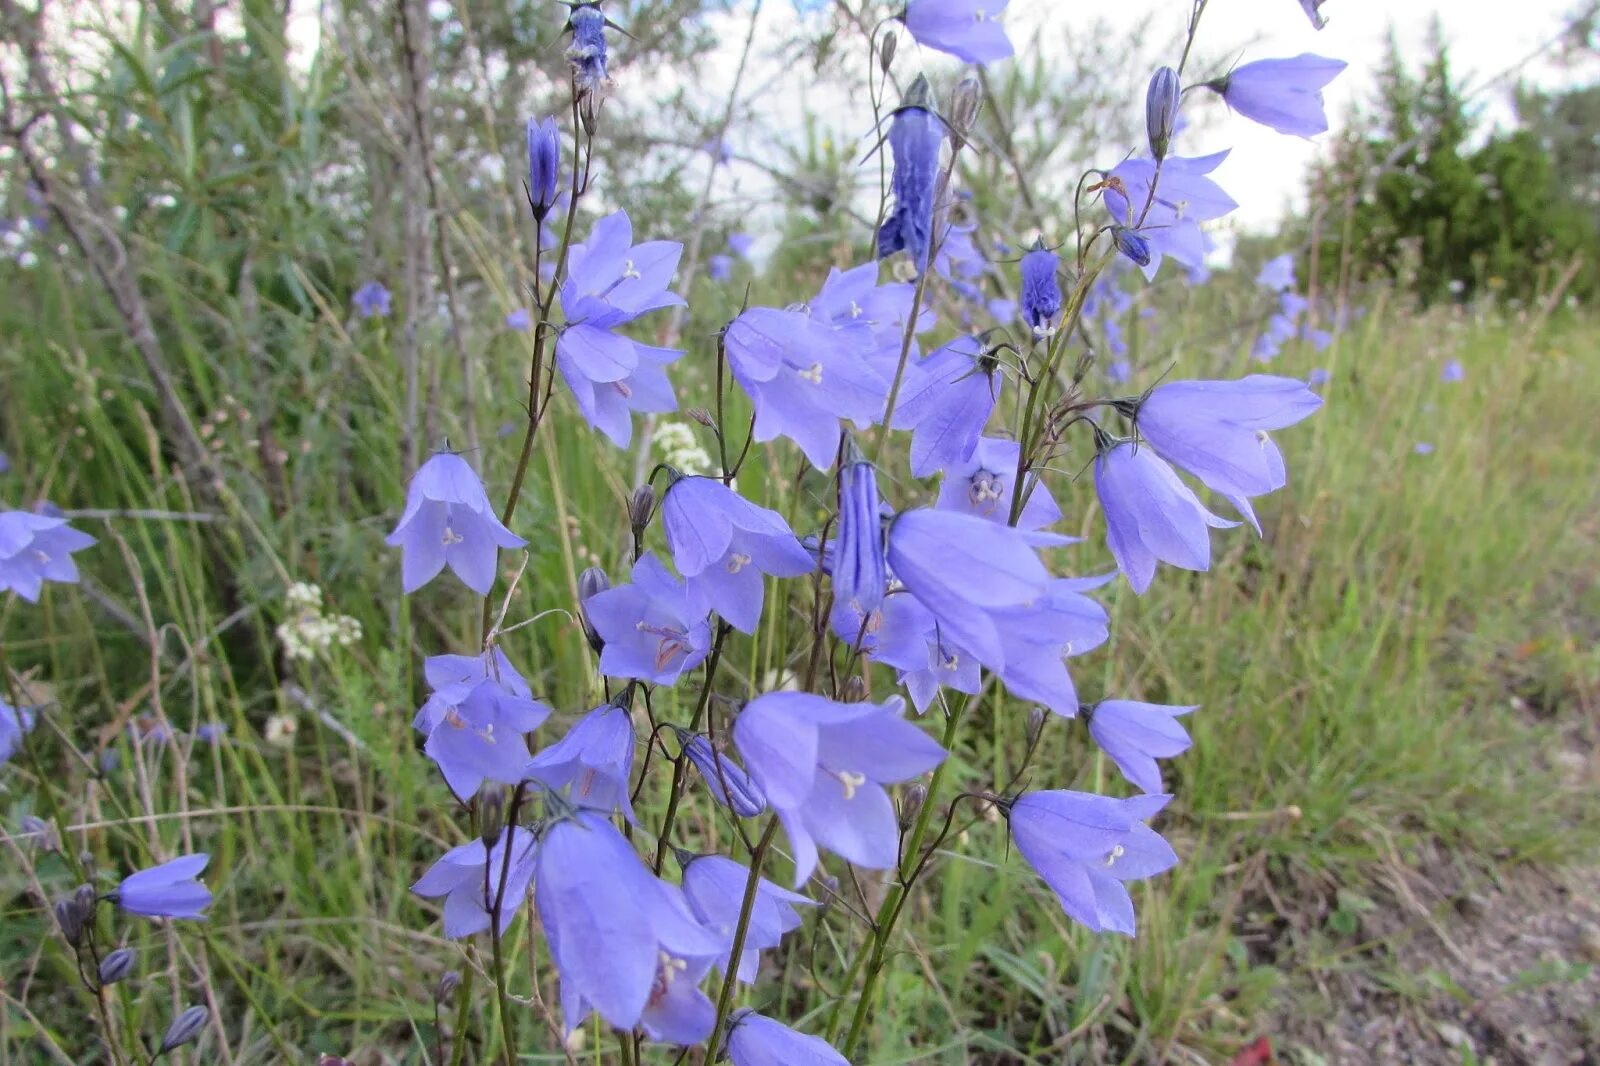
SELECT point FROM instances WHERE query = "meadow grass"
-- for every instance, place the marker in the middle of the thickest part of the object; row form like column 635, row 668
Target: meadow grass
column 1394, row 664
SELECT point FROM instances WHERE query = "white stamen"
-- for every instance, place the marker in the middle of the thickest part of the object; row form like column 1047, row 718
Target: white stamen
column 628, row 271
column 855, row 309
column 737, row 562
column 451, row 537
column 1116, row 853
column 851, row 781
column 814, row 375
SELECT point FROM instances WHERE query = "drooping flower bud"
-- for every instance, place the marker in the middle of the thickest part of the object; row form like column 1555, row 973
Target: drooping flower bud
column 591, row 582
column 1041, row 290
column 70, row 918
column 964, row 104
column 184, row 1028
column 911, row 805
column 854, row 691
column 116, row 966
column 1161, row 110
column 886, row 50
column 1036, row 720
column 859, row 572
column 728, row 783
column 544, row 166
column 445, row 990
column 40, row 832
column 640, row 506
column 915, row 137
column 491, row 812
column 1131, row 244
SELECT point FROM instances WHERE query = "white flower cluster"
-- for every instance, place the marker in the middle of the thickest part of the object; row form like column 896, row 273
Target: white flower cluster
column 308, row 632
column 680, row 448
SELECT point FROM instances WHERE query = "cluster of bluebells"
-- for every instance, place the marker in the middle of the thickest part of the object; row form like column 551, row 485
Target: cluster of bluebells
column 935, row 593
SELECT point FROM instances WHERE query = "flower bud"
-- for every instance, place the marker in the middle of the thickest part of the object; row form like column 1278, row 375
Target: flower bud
column 1131, row 244
column 589, row 113
column 640, row 505
column 1161, row 110
column 491, row 805
column 854, row 691
column 116, row 966
column 702, row 416
column 70, row 919
column 591, row 582
column 544, row 166
column 184, row 1028
column 1036, row 720
column 40, row 832
column 911, row 805
column 445, row 990
column 964, row 104
column 886, row 50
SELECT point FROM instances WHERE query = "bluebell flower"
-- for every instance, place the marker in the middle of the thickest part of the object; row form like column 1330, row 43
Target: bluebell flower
column 1151, row 515
column 958, row 257
column 35, row 548
column 1422, row 447
column 1185, row 197
column 983, row 486
column 14, row 722
column 476, row 720
column 613, row 926
column 593, row 761
column 740, row 244
column 1040, row 636
column 544, row 166
column 915, row 136
column 720, row 267
column 170, row 890
column 727, row 782
column 1452, row 371
column 469, row 878
column 1318, row 377
column 804, row 374
column 1041, row 290
column 1136, row 734
column 587, row 52
column 1086, row 847
column 858, row 569
column 1282, row 94
column 719, row 149
column 853, row 301
column 653, row 628
column 372, row 300
column 1218, row 431
column 823, row 766
column 946, row 400
column 1277, row 273
column 909, row 638
column 519, row 320
column 212, row 733
column 5, row 463
column 970, row 30
column 714, row 887
column 610, row 282
column 756, row 1040
column 723, row 544
column 1161, row 110
column 449, row 521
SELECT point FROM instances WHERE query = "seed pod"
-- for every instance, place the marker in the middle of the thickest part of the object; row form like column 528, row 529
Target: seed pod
column 445, row 990
column 855, row 690
column 640, row 506
column 702, row 416
column 886, row 50
column 184, row 1028
column 911, row 805
column 116, row 966
column 964, row 104
column 491, row 812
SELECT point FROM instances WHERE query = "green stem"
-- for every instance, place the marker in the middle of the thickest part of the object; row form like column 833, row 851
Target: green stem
column 463, row 1005
column 730, row 973
column 894, row 900
column 680, row 764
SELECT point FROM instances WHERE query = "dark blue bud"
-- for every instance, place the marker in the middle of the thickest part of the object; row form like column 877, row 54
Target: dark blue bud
column 741, row 795
column 544, row 165
column 1161, row 110
column 116, row 966
column 587, row 53
column 1132, row 244
column 860, row 573
column 1041, row 291
column 184, row 1028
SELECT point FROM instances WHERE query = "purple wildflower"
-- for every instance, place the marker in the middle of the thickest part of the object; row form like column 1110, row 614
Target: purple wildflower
column 610, row 282
column 1452, row 371
column 1133, row 244
column 469, row 878
column 728, row 784
column 1041, row 291
column 212, row 733
column 170, row 890
column 915, row 136
column 1422, row 447
column 720, row 267
column 372, row 300
column 715, row 886
column 37, row 548
column 448, row 521
column 970, row 30
column 1039, row 636
column 1318, row 377
column 653, row 629
column 519, row 320
column 620, row 937
column 593, row 760
column 14, row 722
column 823, row 766
column 476, row 720
column 1151, row 515
column 1313, row 10
column 756, row 1040
column 544, row 166
column 803, row 374
column 1277, row 273
column 858, row 568
column 1185, row 197
column 1136, row 734
column 723, row 544
column 983, row 486
column 1218, row 431
column 1086, row 846
column 740, row 244
column 946, row 401
column 587, row 52
column 1282, row 94
column 908, row 638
